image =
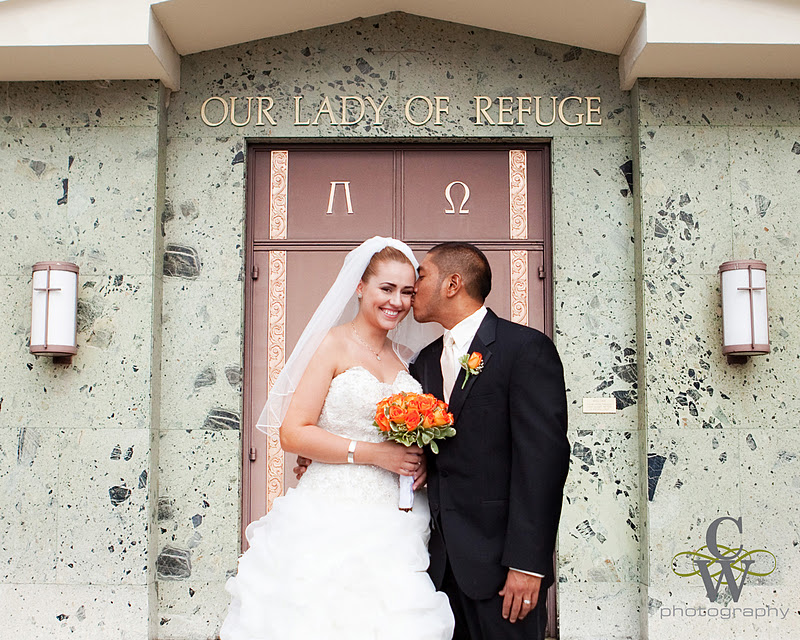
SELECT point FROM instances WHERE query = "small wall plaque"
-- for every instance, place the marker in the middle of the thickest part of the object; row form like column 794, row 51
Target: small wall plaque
column 599, row 405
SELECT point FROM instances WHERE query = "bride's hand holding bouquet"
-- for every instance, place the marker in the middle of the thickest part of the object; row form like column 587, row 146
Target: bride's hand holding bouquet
column 413, row 420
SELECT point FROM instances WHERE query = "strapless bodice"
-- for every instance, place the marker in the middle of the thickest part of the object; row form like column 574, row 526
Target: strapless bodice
column 349, row 411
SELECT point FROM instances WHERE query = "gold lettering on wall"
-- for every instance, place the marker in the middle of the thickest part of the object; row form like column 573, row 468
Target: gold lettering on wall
column 325, row 108
column 377, row 109
column 539, row 120
column 352, row 110
column 482, row 103
column 358, row 100
column 264, row 111
column 297, row 121
column 409, row 104
column 511, row 110
column 562, row 117
column 503, row 110
column 204, row 115
column 521, row 109
column 235, row 122
column 591, row 110
column 442, row 107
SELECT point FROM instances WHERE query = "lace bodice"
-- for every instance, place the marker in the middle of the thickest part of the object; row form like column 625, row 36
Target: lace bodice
column 349, row 411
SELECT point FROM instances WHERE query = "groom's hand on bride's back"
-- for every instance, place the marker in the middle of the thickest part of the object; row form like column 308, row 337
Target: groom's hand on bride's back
column 302, row 466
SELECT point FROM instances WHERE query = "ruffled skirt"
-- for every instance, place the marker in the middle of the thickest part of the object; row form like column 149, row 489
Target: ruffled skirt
column 319, row 568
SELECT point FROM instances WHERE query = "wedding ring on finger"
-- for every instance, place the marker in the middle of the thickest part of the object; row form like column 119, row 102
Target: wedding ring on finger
column 526, row 602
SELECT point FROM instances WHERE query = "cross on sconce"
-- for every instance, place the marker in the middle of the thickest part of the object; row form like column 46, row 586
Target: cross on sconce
column 750, row 288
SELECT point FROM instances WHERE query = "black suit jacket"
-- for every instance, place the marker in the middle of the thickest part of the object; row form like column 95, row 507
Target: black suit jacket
column 495, row 489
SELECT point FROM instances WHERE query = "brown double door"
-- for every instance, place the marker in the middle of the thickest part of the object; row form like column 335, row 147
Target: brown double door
column 309, row 205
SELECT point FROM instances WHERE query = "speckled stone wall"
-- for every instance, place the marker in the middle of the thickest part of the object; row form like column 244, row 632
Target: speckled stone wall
column 718, row 166
column 397, row 56
column 80, row 182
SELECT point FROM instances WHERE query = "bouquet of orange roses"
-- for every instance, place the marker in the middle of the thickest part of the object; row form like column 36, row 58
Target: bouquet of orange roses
column 413, row 418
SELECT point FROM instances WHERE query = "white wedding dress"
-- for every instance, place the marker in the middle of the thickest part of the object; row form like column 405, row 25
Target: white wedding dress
column 335, row 558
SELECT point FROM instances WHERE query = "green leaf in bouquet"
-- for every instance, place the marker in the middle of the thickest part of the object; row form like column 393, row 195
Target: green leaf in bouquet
column 434, row 446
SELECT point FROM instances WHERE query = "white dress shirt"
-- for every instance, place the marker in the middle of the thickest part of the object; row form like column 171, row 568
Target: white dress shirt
column 462, row 336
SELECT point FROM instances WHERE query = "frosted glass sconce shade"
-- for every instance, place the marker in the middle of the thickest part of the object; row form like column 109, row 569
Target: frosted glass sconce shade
column 745, row 322
column 54, row 309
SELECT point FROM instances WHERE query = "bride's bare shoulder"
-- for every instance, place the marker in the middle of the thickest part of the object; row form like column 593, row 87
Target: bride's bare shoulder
column 335, row 341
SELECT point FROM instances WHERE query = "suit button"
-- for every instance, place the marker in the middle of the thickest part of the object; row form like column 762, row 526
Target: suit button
column 444, row 474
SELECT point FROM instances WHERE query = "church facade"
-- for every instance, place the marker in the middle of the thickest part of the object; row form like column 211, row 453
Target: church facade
column 129, row 471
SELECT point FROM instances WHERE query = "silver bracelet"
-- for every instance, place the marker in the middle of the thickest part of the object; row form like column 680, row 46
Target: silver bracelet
column 350, row 451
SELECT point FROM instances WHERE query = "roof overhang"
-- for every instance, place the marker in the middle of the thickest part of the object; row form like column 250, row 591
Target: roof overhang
column 126, row 39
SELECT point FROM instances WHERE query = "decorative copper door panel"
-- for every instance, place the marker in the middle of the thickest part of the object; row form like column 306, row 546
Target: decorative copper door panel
column 311, row 197
column 481, row 195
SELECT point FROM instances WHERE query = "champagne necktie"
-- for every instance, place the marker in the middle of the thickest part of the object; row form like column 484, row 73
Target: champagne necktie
column 449, row 366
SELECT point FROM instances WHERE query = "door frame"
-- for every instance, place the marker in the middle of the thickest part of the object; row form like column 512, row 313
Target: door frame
column 250, row 451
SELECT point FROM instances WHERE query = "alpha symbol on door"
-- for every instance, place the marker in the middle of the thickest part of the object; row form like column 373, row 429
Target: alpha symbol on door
column 332, row 197
column 449, row 197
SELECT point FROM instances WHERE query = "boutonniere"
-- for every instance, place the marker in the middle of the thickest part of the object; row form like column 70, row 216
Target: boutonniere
column 472, row 363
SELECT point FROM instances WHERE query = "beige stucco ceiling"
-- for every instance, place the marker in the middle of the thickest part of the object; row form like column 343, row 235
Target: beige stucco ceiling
column 97, row 39
column 603, row 25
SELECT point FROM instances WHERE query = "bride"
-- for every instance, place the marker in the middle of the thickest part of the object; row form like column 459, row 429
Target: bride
column 335, row 558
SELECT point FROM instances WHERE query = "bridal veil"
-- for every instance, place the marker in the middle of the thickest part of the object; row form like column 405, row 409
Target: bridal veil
column 339, row 306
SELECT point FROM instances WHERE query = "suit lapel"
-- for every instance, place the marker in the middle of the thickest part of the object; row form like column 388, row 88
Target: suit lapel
column 484, row 337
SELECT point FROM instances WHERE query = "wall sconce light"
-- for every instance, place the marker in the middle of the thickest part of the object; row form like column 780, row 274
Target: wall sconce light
column 745, row 324
column 54, row 309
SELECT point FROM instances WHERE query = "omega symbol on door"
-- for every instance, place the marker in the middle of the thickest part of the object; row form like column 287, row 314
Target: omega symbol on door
column 332, row 196
column 449, row 197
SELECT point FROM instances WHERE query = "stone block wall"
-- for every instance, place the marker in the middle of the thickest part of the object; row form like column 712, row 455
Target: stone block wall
column 80, row 183
column 718, row 164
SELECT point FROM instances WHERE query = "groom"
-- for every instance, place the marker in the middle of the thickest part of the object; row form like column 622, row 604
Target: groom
column 495, row 489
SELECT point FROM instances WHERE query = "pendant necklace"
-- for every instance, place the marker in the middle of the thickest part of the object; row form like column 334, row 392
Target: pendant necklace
column 363, row 342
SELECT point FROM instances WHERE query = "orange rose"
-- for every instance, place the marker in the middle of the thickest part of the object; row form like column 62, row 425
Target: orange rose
column 475, row 360
column 396, row 414
column 412, row 403
column 427, row 419
column 412, row 419
column 383, row 422
column 426, row 402
column 439, row 417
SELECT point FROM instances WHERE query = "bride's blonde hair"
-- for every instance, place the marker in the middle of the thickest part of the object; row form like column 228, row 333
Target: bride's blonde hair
column 387, row 254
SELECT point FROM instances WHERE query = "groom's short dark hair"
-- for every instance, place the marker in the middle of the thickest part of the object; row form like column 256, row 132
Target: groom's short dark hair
column 469, row 262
